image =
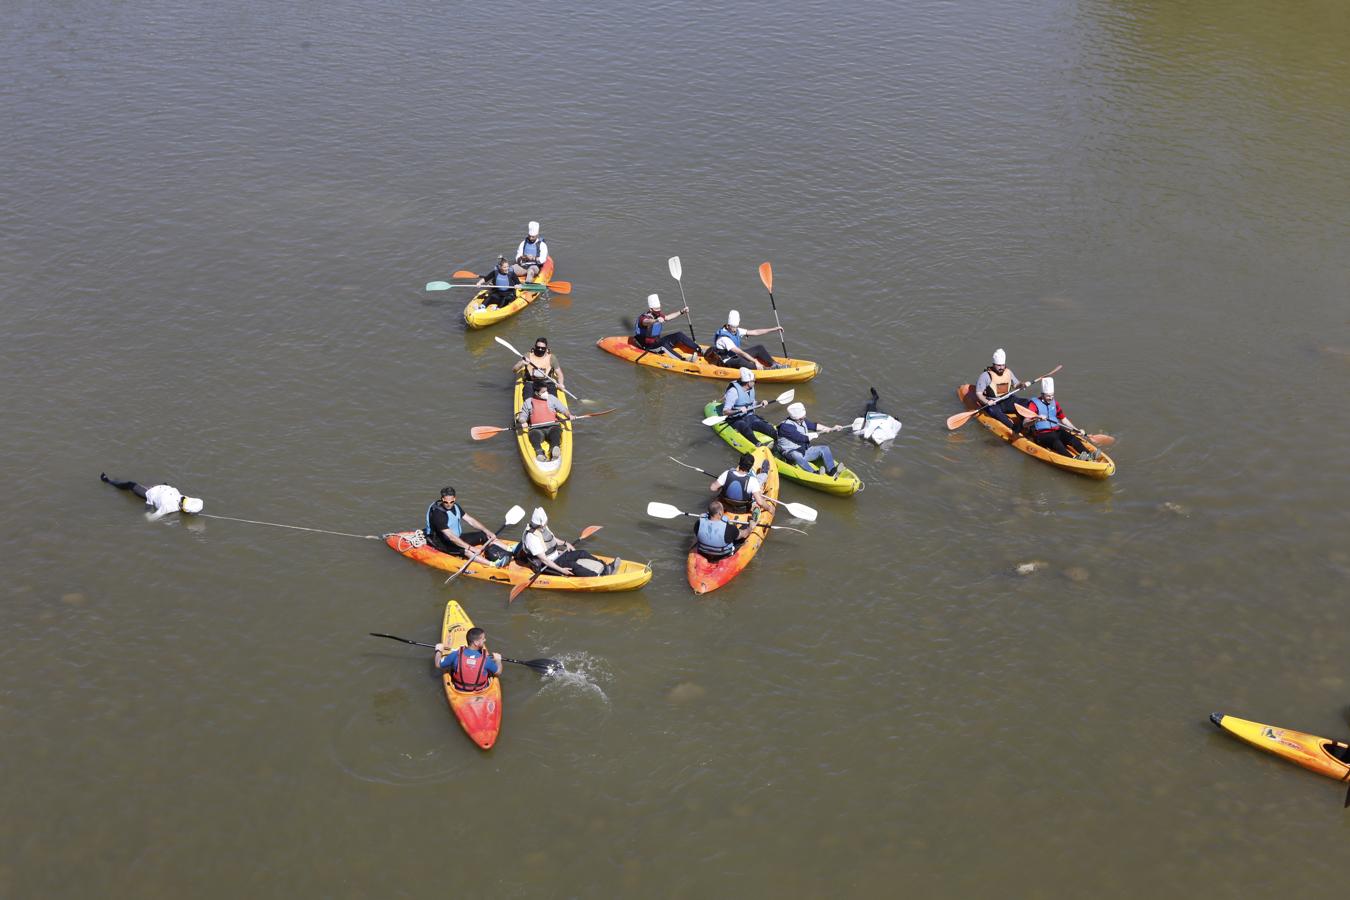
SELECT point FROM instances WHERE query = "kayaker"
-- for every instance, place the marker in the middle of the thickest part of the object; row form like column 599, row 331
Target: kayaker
column 648, row 332
column 532, row 252
column 995, row 388
column 542, row 550
column 727, row 349
column 471, row 667
column 445, row 531
column 794, row 441
column 715, row 536
column 540, row 365
column 738, row 488
column 739, row 405
column 1046, row 427
column 502, row 281
column 540, row 414
column 164, row 498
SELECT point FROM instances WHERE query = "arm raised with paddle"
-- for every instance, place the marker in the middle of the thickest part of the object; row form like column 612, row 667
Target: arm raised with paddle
column 766, row 276
column 956, row 421
column 525, row 360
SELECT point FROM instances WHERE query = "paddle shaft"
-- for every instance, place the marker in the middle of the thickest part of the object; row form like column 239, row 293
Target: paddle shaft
column 751, row 524
column 529, row 664
column 526, row 360
column 685, row 304
column 517, row 591
column 477, row 553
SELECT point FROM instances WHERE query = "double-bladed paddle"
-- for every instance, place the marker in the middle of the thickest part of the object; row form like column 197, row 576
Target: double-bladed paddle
column 660, row 510
column 522, row 588
column 797, row 510
column 513, row 515
column 483, row 432
column 508, row 346
column 956, row 421
column 557, row 287
column 783, row 398
column 543, row 666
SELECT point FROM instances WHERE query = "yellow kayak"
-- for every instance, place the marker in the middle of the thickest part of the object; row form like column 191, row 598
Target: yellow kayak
column 413, row 545
column 1321, row 755
column 1104, row 467
column 626, row 348
column 478, row 315
column 551, row 473
column 844, row 484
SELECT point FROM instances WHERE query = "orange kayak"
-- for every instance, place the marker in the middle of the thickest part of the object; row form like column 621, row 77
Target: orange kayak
column 1104, row 467
column 625, row 347
column 479, row 712
column 706, row 575
column 1322, row 755
column 413, row 545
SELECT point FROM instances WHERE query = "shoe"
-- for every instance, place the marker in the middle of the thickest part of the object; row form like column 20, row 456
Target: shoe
column 1085, row 456
column 779, row 366
column 834, row 472
column 540, row 456
column 612, row 567
column 557, row 453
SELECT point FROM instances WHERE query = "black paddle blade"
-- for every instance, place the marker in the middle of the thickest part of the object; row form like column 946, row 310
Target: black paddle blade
column 542, row 666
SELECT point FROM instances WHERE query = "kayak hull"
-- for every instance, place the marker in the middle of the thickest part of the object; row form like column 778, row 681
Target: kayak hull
column 845, row 484
column 624, row 348
column 480, row 713
column 1306, row 750
column 707, row 575
column 1098, row 468
column 413, row 545
column 476, row 315
column 549, row 474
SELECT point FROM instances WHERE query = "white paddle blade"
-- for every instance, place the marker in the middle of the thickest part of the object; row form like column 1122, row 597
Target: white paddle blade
column 785, row 397
column 801, row 511
column 676, row 270
column 504, row 343
column 663, row 510
column 714, row 420
column 438, row 285
column 514, row 515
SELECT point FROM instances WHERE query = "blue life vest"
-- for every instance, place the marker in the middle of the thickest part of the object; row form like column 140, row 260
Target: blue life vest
column 650, row 331
column 454, row 518
column 712, row 540
column 1047, row 410
column 793, row 436
column 529, row 249
column 741, row 397
column 733, row 488
column 725, row 332
column 502, row 279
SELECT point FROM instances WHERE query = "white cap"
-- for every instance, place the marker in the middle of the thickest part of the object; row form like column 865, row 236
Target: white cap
column 747, row 374
column 533, row 230
column 539, row 517
column 1000, row 357
column 192, row 505
column 797, row 410
column 1048, row 387
column 653, row 301
column 734, row 318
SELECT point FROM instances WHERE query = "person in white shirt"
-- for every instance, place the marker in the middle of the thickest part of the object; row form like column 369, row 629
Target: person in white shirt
column 532, row 252
column 728, row 350
column 163, row 497
column 741, row 487
column 543, row 551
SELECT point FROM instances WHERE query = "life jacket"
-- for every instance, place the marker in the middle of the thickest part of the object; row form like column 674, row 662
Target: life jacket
column 1047, row 410
column 711, row 537
column 454, row 517
column 536, row 372
column 734, row 487
column 527, row 248
column 742, row 398
column 793, row 436
column 524, row 557
column 999, row 385
column 540, row 412
column 648, row 328
column 469, row 673
column 500, row 278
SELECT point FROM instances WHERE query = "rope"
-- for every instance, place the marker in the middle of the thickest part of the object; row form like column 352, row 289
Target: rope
column 368, row 537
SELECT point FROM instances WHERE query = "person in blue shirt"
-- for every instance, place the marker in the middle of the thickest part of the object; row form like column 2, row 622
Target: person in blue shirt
column 739, row 405
column 794, row 441
column 471, row 668
column 502, row 282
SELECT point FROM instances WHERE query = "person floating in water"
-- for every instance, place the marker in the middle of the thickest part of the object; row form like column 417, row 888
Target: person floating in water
column 164, row 498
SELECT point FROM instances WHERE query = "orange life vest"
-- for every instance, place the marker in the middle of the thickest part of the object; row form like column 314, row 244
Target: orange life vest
column 1000, row 384
column 540, row 412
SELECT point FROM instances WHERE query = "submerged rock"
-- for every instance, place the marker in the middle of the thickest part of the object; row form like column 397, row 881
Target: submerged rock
column 686, row 692
column 1076, row 573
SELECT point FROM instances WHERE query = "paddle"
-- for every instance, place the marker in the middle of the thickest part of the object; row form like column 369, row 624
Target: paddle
column 483, row 432
column 783, row 398
column 508, row 346
column 544, row 666
column 666, row 511
column 1101, row 440
column 522, row 588
column 557, row 287
column 676, row 270
column 956, row 421
column 798, row 510
column 513, row 515
column 766, row 276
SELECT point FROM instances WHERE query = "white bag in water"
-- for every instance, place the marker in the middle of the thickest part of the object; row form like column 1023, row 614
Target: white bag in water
column 876, row 426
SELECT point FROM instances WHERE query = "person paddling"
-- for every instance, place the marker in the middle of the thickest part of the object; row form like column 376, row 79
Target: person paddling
column 164, row 498
column 471, row 668
column 540, row 414
column 739, row 488
column 794, row 441
column 532, row 252
column 445, row 531
column 543, row 551
column 716, row 536
column 502, row 281
column 648, row 334
column 1050, row 427
column 739, row 405
column 727, row 347
column 540, row 365
column 995, row 388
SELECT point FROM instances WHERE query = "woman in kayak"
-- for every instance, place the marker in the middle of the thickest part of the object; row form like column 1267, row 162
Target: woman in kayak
column 648, row 333
column 727, row 349
column 540, row 365
column 794, row 441
column 501, row 282
column 739, row 488
column 164, row 498
column 470, row 667
column 715, row 536
column 1046, row 427
column 541, row 550
column 445, row 531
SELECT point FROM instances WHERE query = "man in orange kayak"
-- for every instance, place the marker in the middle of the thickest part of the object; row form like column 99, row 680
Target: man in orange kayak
column 1050, row 427
column 740, row 487
column 995, row 389
column 715, row 537
column 648, row 333
column 502, row 282
column 727, row 347
column 540, row 414
column 471, row 667
column 445, row 531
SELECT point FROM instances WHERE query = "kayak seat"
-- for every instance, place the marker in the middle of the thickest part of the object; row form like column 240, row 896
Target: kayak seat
column 1338, row 751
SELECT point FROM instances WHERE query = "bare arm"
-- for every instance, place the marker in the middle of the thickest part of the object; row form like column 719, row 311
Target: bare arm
column 756, row 332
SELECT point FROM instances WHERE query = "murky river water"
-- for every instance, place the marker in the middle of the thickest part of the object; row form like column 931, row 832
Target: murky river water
column 215, row 221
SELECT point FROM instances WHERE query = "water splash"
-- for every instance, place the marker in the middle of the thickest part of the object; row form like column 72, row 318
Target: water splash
column 583, row 677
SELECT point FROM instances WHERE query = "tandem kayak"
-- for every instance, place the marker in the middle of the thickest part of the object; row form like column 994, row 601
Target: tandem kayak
column 478, row 315
column 413, row 545
column 479, row 712
column 844, row 484
column 1322, row 755
column 626, row 348
column 706, row 575
column 549, row 474
column 1104, row 467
